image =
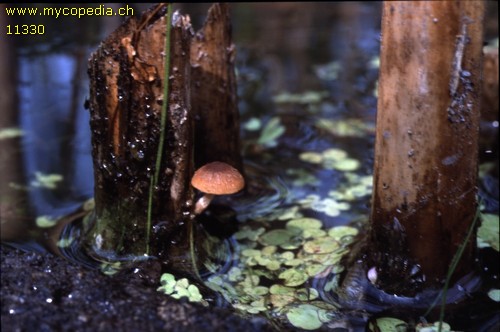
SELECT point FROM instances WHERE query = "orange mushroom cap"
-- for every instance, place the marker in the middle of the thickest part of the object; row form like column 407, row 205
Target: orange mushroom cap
column 218, row 178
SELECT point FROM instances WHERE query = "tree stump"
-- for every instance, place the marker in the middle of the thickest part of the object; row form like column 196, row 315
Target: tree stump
column 133, row 219
column 214, row 95
column 126, row 97
column 426, row 151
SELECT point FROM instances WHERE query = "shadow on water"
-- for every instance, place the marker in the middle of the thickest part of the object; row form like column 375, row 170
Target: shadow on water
column 306, row 81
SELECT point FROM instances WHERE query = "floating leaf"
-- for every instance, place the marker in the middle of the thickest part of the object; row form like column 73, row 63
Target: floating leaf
column 338, row 232
column 388, row 324
column 48, row 181
column 445, row 327
column 322, row 245
column 293, row 277
column 306, row 294
column 6, row 133
column 304, row 223
column 313, row 233
column 65, row 242
column 314, row 269
column 88, row 205
column 311, row 157
column 276, row 237
column 45, row 221
column 334, row 154
column 329, row 206
column 281, row 300
column 281, row 290
column 273, row 265
column 306, row 316
column 180, row 288
column 488, row 232
column 272, row 131
column 252, row 124
column 247, row 233
column 344, row 165
column 494, row 294
column 290, row 213
column 308, row 97
column 346, row 127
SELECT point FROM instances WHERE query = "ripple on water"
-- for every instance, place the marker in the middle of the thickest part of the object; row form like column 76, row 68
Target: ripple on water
column 265, row 192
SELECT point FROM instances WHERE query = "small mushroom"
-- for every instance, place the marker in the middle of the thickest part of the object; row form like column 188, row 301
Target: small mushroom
column 216, row 178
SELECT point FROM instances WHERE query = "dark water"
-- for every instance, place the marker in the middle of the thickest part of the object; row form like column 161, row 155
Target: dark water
column 307, row 79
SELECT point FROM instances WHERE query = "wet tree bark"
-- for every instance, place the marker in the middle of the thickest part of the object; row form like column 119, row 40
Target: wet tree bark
column 126, row 97
column 127, row 93
column 214, row 95
column 426, row 151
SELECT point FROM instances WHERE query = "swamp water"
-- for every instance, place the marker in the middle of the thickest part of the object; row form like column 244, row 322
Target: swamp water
column 307, row 89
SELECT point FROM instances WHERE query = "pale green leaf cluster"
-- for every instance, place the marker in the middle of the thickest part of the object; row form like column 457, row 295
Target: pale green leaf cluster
column 289, row 258
column 180, row 288
column 48, row 181
column 307, row 97
column 494, row 294
column 6, row 133
column 45, row 221
column 271, row 132
column 346, row 127
column 328, row 205
column 332, row 158
column 488, row 232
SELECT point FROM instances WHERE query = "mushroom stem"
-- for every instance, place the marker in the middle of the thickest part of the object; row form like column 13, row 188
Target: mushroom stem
column 203, row 203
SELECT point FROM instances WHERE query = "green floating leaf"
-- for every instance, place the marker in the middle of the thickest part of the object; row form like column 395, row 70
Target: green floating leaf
column 494, row 294
column 45, row 221
column 48, row 181
column 272, row 131
column 388, row 324
column 248, row 233
column 306, row 294
column 334, row 154
column 252, row 124
column 6, row 133
column 307, row 97
column 304, row 223
column 290, row 213
column 311, row 157
column 281, row 290
column 338, row 232
column 306, row 316
column 346, row 127
column 344, row 165
column 276, row 237
column 322, row 245
column 445, row 327
column 313, row 233
column 180, row 288
column 89, row 204
column 65, row 242
column 488, row 232
column 293, row 277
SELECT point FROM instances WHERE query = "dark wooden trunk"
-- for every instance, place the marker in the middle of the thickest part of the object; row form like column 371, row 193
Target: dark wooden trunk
column 214, row 95
column 426, row 152
column 126, row 98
